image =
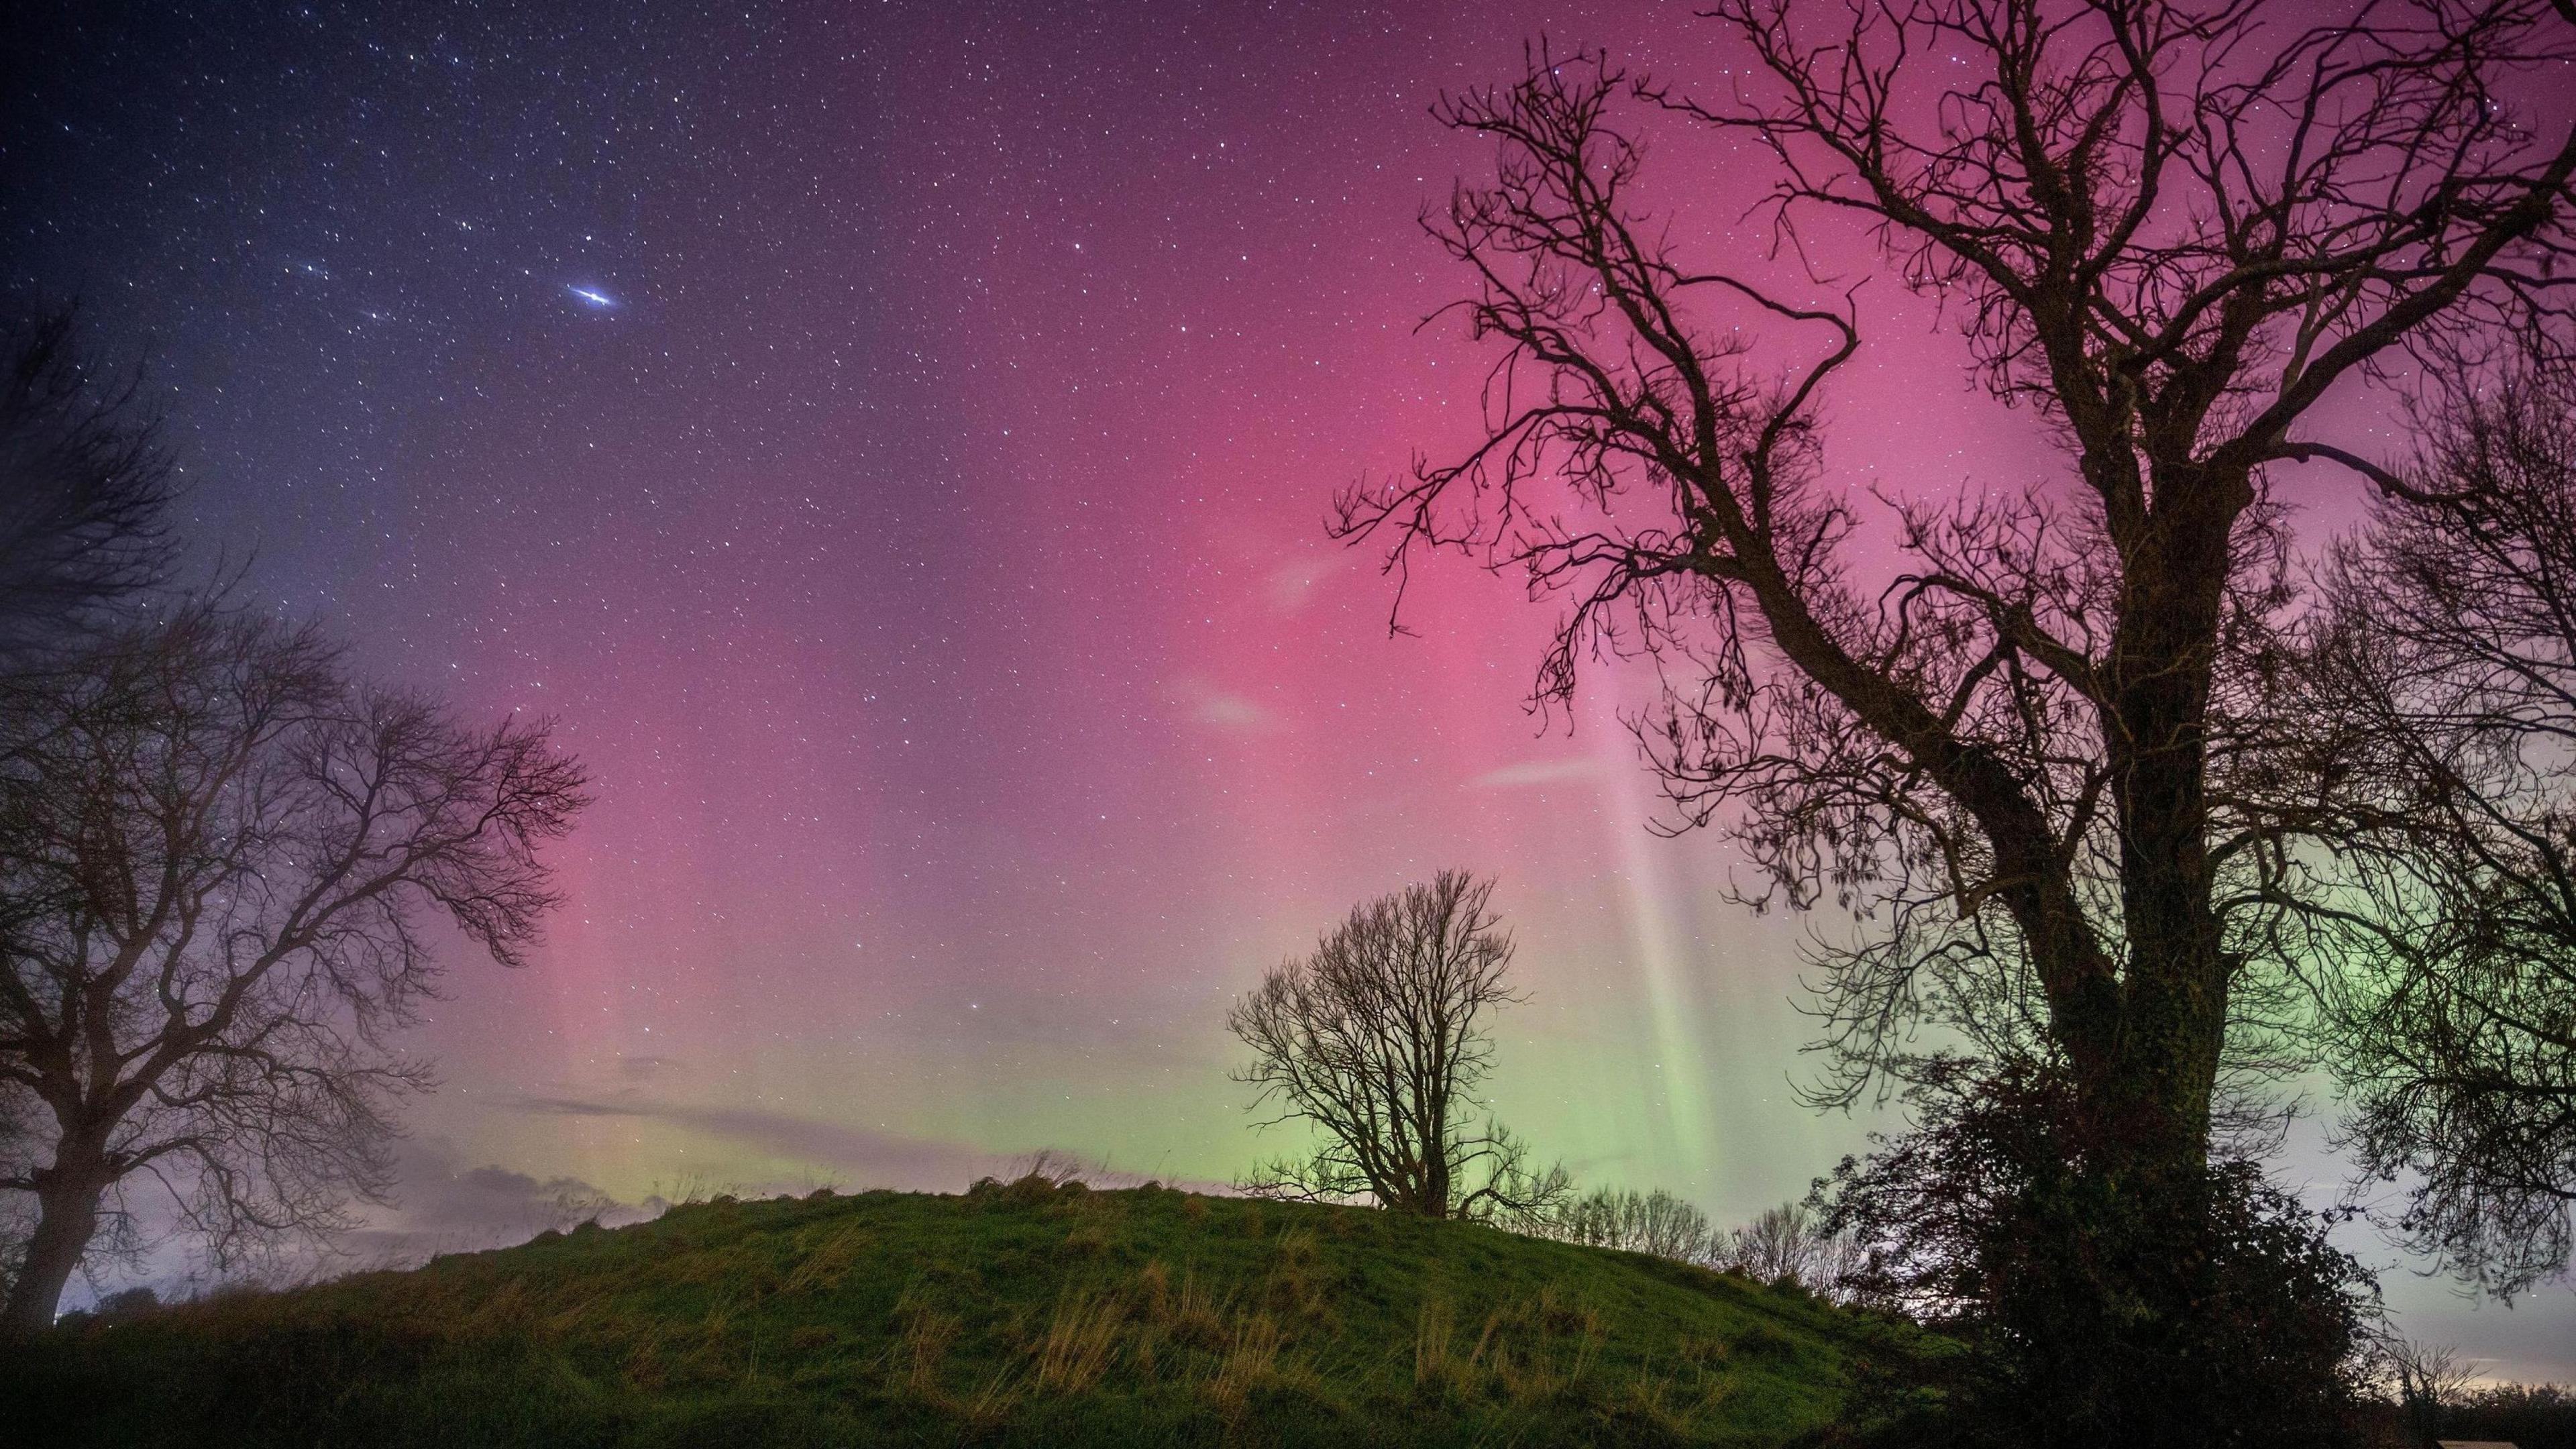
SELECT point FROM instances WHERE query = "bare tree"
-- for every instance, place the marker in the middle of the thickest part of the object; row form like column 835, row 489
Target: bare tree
column 1378, row 1041
column 1793, row 1243
column 2444, row 670
column 2041, row 743
column 1655, row 1223
column 2034, row 739
column 84, row 490
column 2425, row 1379
column 220, row 856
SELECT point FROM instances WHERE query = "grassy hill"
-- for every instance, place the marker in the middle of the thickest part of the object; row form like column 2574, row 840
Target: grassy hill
column 1028, row 1314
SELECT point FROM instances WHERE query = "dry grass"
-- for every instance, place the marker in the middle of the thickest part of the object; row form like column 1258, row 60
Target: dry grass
column 1534, row 1350
column 1080, row 1341
column 1251, row 1360
column 1192, row 1315
column 1436, row 1367
column 827, row 1257
column 922, row 1347
column 1300, row 1286
column 990, row 1407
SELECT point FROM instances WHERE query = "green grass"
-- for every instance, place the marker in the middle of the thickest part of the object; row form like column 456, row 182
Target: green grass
column 1020, row 1315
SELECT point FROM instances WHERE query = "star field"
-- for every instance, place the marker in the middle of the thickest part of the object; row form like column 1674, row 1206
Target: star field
column 892, row 440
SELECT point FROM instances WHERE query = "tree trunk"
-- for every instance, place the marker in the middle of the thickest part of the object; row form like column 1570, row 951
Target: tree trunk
column 2153, row 1107
column 67, row 1197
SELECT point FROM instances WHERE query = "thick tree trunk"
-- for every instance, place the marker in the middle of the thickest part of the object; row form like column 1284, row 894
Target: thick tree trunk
column 67, row 1198
column 2152, row 1101
column 2141, row 1265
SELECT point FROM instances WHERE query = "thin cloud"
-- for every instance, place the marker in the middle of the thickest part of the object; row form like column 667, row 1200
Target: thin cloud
column 1525, row 773
column 1293, row 584
column 872, row 1158
column 1205, row 703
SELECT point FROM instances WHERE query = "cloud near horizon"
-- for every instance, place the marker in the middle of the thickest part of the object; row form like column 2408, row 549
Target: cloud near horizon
column 873, row 1159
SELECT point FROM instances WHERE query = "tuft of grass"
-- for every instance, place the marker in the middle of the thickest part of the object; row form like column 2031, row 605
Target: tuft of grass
column 1080, row 1341
column 829, row 1252
column 1435, row 1362
column 923, row 1346
column 1251, row 1362
column 1191, row 1315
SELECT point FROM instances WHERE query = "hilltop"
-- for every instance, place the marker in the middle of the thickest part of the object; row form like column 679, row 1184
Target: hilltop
column 1035, row 1313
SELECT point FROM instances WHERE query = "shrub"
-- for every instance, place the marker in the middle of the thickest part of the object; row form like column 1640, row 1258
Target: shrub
column 2534, row 1416
column 1984, row 1222
column 127, row 1303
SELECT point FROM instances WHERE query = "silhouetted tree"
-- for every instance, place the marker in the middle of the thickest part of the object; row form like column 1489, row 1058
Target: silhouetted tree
column 1655, row 1223
column 2043, row 743
column 1792, row 1243
column 219, row 856
column 84, row 490
column 2444, row 669
column 1378, row 1041
column 2425, row 1380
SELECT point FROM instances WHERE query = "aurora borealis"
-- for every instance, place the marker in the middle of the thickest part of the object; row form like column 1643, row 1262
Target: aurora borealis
column 893, row 440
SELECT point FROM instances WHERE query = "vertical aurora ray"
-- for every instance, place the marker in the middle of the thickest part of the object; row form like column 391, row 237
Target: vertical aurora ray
column 1662, row 964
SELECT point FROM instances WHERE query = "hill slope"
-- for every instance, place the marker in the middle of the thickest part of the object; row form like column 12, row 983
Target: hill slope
column 1029, row 1314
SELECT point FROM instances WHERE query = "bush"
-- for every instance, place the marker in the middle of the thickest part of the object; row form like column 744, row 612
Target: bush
column 2092, row 1310
column 2533, row 1416
column 126, row 1304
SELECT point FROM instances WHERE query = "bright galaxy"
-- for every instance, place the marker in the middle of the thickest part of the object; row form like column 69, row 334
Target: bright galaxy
column 893, row 443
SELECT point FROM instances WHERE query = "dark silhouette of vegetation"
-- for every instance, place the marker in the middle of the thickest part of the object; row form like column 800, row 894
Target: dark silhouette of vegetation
column 2050, row 748
column 2422, row 1380
column 1985, row 1220
column 85, row 490
column 2527, row 1416
column 219, row 857
column 1655, row 1223
column 1788, row 1246
column 1378, row 1041
column 1794, row 1244
column 2444, row 665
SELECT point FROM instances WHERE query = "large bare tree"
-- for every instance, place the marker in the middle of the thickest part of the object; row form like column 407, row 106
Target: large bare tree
column 220, row 858
column 2040, row 740
column 1378, row 1041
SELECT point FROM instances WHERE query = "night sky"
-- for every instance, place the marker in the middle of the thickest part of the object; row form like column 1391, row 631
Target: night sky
column 893, row 442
